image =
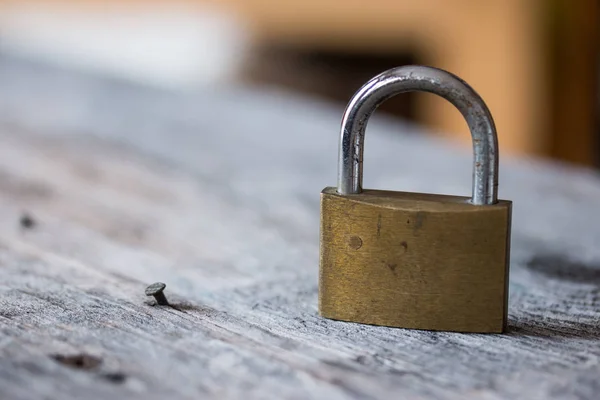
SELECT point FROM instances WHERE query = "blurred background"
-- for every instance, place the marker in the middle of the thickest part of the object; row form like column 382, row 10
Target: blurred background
column 535, row 62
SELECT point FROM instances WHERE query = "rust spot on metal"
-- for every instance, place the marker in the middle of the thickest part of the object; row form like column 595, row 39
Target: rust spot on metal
column 355, row 242
column 419, row 220
column 404, row 247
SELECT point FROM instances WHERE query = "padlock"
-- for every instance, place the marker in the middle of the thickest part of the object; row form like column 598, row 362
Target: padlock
column 415, row 260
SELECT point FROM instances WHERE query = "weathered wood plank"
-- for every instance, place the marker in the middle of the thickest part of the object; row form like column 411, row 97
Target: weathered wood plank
column 216, row 194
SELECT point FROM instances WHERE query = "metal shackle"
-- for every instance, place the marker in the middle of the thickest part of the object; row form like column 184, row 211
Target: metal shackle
column 425, row 79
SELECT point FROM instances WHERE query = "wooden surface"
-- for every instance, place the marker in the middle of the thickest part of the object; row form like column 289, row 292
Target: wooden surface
column 217, row 195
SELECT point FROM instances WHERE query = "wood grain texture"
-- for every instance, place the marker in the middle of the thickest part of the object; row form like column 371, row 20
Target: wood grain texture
column 217, row 195
column 414, row 260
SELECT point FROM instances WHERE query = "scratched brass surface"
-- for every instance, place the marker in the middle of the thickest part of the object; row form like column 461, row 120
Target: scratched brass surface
column 414, row 260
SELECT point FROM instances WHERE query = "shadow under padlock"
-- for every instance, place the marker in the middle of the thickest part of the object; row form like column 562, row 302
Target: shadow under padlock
column 415, row 260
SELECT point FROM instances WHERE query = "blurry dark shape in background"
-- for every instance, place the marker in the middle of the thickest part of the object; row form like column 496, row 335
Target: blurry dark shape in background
column 574, row 62
column 334, row 76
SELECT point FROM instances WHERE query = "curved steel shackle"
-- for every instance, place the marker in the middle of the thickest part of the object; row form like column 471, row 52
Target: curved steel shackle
column 426, row 79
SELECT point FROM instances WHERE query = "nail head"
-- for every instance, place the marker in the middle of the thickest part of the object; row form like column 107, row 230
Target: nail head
column 155, row 288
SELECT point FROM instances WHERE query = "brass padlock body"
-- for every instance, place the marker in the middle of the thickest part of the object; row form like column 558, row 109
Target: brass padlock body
column 414, row 260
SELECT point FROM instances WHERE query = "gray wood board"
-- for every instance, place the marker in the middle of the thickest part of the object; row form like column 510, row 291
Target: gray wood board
column 216, row 193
